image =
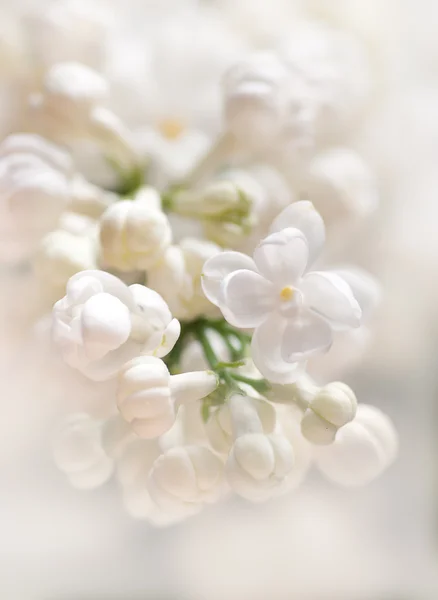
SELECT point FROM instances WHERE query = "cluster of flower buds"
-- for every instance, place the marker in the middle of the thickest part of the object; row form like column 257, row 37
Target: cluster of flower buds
column 194, row 295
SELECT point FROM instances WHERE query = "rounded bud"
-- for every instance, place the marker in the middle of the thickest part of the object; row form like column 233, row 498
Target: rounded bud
column 144, row 397
column 184, row 478
column 330, row 409
column 258, row 465
column 133, row 235
column 363, row 449
column 219, row 427
column 78, row 452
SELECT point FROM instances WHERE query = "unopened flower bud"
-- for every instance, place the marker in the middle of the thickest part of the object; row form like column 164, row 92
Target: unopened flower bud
column 363, row 449
column 330, row 409
column 78, row 452
column 133, row 236
column 148, row 396
column 184, row 478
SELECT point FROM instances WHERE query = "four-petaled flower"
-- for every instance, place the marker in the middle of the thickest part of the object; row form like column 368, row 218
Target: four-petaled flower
column 294, row 311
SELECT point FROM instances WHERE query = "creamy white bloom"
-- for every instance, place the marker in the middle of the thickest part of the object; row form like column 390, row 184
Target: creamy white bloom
column 334, row 65
column 185, row 478
column 78, row 452
column 67, row 30
column 331, row 408
column 258, row 463
column 363, row 449
column 60, row 255
column 177, row 277
column 341, row 186
column 134, row 234
column 34, row 190
column 219, row 427
column 294, row 312
column 102, row 323
column 148, row 396
column 264, row 101
column 88, row 199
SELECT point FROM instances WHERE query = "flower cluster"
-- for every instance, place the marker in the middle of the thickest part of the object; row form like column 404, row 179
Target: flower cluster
column 185, row 272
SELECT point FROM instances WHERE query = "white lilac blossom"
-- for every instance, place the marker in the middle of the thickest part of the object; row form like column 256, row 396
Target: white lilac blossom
column 134, row 234
column 148, row 396
column 363, row 449
column 177, row 277
column 102, row 323
column 223, row 375
column 34, row 190
column 185, row 478
column 341, row 186
column 331, row 408
column 79, row 453
column 294, row 311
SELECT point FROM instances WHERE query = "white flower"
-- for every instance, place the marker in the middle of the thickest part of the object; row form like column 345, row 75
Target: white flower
column 184, row 478
column 219, row 427
column 88, row 199
column 258, row 463
column 331, row 408
column 34, row 190
column 61, row 255
column 148, row 396
column 67, row 30
column 341, row 186
column 263, row 102
column 78, row 452
column 363, row 449
column 101, row 323
column 177, row 277
column 293, row 312
column 134, row 234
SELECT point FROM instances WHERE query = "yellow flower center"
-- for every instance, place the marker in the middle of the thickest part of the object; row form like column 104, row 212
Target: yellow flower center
column 287, row 293
column 171, row 128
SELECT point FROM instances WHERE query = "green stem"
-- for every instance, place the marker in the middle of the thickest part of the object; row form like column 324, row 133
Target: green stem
column 260, row 385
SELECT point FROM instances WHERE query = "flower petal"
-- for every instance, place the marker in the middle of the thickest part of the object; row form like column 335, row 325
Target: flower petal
column 303, row 216
column 110, row 284
column 218, row 267
column 366, row 289
column 246, row 298
column 105, row 325
column 266, row 352
column 305, row 336
column 169, row 339
column 282, row 257
column 329, row 295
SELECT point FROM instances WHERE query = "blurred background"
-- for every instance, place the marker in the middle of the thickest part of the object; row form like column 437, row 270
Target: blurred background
column 320, row 543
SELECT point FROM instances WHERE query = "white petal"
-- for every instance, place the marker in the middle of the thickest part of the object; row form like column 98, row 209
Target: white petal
column 366, row 289
column 305, row 336
column 110, row 284
column 105, row 323
column 330, row 296
column 150, row 305
column 282, row 257
column 246, row 298
column 218, row 267
column 266, row 352
column 303, row 216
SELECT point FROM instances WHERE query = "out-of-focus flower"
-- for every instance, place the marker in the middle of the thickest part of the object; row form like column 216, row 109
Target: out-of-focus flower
column 363, row 449
column 79, row 453
column 177, row 277
column 134, row 234
column 102, row 323
column 34, row 190
column 183, row 479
